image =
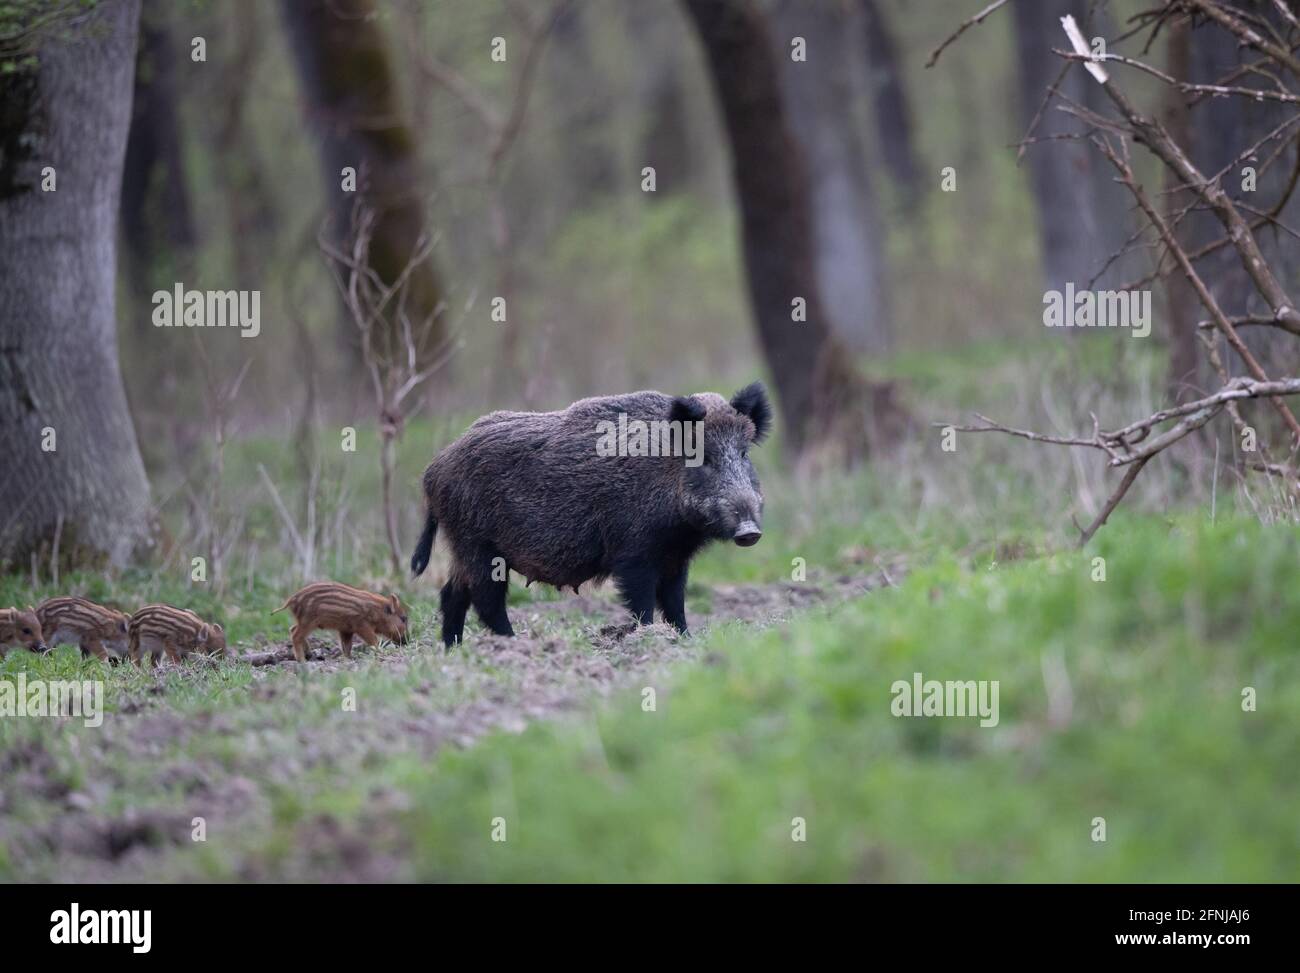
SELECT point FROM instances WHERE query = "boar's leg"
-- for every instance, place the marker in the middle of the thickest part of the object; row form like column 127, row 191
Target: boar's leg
column 489, row 598
column 637, row 582
column 455, row 603
column 671, row 595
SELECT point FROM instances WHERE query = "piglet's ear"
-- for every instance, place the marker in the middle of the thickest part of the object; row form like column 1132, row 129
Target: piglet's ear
column 123, row 626
column 217, row 629
column 204, row 631
column 393, row 605
column 752, row 401
column 686, row 409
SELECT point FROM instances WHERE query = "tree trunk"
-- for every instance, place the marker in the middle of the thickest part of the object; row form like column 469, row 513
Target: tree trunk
column 1181, row 302
column 665, row 137
column 1220, row 129
column 890, row 111
column 819, row 98
column 59, row 379
column 1082, row 213
column 582, row 105
column 816, row 386
column 157, row 226
column 350, row 88
column 251, row 209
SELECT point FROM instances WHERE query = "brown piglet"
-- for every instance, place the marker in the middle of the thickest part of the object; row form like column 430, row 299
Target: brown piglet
column 21, row 626
column 155, row 629
column 349, row 611
column 93, row 628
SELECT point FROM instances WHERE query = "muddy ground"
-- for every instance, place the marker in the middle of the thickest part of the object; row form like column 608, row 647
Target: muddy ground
column 118, row 803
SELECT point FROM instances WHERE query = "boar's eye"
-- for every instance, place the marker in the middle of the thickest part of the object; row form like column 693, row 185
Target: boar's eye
column 27, row 631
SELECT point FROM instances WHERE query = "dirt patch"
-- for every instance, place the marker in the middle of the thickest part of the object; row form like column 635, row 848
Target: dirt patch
column 237, row 766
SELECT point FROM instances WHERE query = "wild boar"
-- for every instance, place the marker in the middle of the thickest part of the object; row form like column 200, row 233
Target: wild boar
column 22, row 627
column 155, row 629
column 543, row 494
column 348, row 611
column 93, row 628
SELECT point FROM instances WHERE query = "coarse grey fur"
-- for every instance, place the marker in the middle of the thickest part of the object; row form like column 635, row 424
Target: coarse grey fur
column 530, row 492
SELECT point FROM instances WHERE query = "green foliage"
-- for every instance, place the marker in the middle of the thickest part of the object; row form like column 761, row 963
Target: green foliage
column 795, row 722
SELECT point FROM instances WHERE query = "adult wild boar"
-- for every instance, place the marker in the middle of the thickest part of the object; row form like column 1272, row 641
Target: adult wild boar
column 552, row 496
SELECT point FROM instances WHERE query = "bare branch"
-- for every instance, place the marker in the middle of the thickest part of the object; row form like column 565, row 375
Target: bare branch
column 966, row 25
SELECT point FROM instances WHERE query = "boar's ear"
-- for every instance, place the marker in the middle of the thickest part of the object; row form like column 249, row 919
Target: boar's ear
column 752, row 401
column 686, row 409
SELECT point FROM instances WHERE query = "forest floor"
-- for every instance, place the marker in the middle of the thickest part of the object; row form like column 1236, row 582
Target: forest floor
column 122, row 802
column 1148, row 689
column 1148, row 695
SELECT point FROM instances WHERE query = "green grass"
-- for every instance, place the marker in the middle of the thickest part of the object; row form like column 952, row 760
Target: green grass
column 795, row 722
column 771, row 724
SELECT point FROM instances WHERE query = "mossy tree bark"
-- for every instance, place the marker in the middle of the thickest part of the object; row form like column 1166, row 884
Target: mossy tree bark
column 60, row 386
column 820, row 97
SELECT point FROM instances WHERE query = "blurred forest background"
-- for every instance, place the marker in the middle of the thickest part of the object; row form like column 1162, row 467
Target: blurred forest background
column 561, row 198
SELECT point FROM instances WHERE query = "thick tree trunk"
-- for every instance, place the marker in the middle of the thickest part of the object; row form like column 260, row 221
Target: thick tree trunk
column 819, row 98
column 816, row 386
column 1082, row 213
column 890, row 111
column 350, row 88
column 59, row 379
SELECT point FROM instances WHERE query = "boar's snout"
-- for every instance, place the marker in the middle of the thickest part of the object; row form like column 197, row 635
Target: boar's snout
column 747, row 533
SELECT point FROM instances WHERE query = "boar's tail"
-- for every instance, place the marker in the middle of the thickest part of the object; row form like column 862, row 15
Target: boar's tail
column 420, row 559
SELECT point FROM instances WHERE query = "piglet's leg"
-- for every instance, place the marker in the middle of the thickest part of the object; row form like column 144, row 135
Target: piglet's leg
column 367, row 635
column 96, row 648
column 142, row 647
column 299, row 636
column 345, row 640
